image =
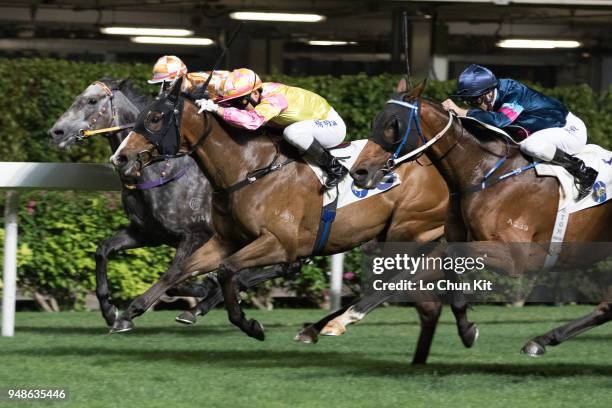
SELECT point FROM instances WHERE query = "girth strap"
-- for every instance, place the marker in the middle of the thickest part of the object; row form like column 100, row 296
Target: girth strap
column 328, row 215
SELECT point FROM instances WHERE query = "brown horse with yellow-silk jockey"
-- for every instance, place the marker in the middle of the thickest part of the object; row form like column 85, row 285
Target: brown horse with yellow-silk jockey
column 275, row 219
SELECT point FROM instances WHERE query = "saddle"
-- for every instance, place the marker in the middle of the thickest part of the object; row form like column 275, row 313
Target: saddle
column 513, row 133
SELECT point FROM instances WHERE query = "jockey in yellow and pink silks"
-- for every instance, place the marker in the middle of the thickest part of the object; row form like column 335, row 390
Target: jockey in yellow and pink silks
column 309, row 122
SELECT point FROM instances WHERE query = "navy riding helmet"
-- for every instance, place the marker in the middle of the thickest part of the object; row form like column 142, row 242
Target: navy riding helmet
column 474, row 81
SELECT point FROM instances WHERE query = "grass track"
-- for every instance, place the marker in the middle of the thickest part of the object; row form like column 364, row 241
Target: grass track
column 212, row 364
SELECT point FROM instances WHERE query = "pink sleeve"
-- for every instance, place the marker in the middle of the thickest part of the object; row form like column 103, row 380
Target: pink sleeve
column 242, row 118
column 511, row 110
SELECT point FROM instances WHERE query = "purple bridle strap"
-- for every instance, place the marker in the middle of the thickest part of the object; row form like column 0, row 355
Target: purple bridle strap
column 159, row 182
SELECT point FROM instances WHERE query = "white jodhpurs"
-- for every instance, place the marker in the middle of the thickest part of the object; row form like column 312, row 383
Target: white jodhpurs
column 329, row 132
column 571, row 139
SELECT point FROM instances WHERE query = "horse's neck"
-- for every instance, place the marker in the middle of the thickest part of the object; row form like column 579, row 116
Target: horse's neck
column 228, row 154
column 463, row 160
column 127, row 110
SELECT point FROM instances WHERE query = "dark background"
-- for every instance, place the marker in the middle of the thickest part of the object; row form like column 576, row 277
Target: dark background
column 445, row 36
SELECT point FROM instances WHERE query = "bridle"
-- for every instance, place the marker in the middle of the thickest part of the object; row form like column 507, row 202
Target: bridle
column 146, row 156
column 110, row 93
column 413, row 119
column 487, row 180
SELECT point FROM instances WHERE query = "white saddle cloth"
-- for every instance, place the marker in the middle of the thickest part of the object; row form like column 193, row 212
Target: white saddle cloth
column 348, row 192
column 593, row 156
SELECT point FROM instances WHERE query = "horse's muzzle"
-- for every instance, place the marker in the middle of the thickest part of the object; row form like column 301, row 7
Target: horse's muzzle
column 363, row 177
column 368, row 176
column 119, row 160
column 126, row 167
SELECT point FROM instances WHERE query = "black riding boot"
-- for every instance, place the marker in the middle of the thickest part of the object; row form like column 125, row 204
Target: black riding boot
column 332, row 166
column 584, row 177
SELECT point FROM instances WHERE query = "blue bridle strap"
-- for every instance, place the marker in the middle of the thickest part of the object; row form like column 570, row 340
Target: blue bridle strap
column 413, row 116
column 486, row 180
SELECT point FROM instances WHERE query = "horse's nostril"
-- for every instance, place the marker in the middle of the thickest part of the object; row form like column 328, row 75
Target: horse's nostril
column 359, row 174
column 120, row 160
column 57, row 132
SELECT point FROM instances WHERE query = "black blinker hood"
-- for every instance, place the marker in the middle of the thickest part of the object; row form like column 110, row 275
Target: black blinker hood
column 167, row 139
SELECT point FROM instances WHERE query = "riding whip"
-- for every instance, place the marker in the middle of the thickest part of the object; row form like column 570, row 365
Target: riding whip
column 406, row 47
column 225, row 49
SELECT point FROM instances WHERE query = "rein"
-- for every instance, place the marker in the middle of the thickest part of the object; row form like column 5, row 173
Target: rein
column 257, row 174
column 395, row 161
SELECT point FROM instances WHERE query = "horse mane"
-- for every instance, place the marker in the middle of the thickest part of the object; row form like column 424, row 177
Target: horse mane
column 200, row 92
column 484, row 137
column 126, row 86
column 264, row 134
column 486, row 140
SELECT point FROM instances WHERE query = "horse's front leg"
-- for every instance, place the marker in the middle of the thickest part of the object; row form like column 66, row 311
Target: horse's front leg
column 246, row 279
column 204, row 260
column 185, row 248
column 455, row 231
column 507, row 258
column 126, row 238
column 468, row 331
column 265, row 250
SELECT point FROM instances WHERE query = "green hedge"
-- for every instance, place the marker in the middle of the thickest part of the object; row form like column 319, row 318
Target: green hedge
column 58, row 236
column 59, row 231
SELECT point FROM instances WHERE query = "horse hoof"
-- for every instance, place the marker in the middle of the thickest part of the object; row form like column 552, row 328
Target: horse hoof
column 186, row 317
column 122, row 326
column 306, row 336
column 111, row 315
column 470, row 336
column 533, row 349
column 256, row 330
column 333, row 329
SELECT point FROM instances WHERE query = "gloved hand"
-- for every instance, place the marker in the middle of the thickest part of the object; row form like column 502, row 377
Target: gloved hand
column 206, row 105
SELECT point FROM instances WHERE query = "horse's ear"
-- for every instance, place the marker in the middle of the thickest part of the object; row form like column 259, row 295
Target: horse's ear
column 417, row 91
column 402, row 86
column 175, row 88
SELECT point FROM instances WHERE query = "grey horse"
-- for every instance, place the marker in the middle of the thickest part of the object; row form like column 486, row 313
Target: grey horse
column 156, row 216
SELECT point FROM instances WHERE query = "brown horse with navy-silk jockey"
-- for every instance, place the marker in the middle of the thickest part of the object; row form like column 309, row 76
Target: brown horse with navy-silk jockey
column 275, row 219
column 481, row 216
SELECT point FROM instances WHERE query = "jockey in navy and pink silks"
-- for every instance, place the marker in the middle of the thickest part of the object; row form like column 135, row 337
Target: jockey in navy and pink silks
column 554, row 133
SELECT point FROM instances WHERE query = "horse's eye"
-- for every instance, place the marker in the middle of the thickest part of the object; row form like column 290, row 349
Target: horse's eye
column 153, row 121
column 92, row 101
column 391, row 130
